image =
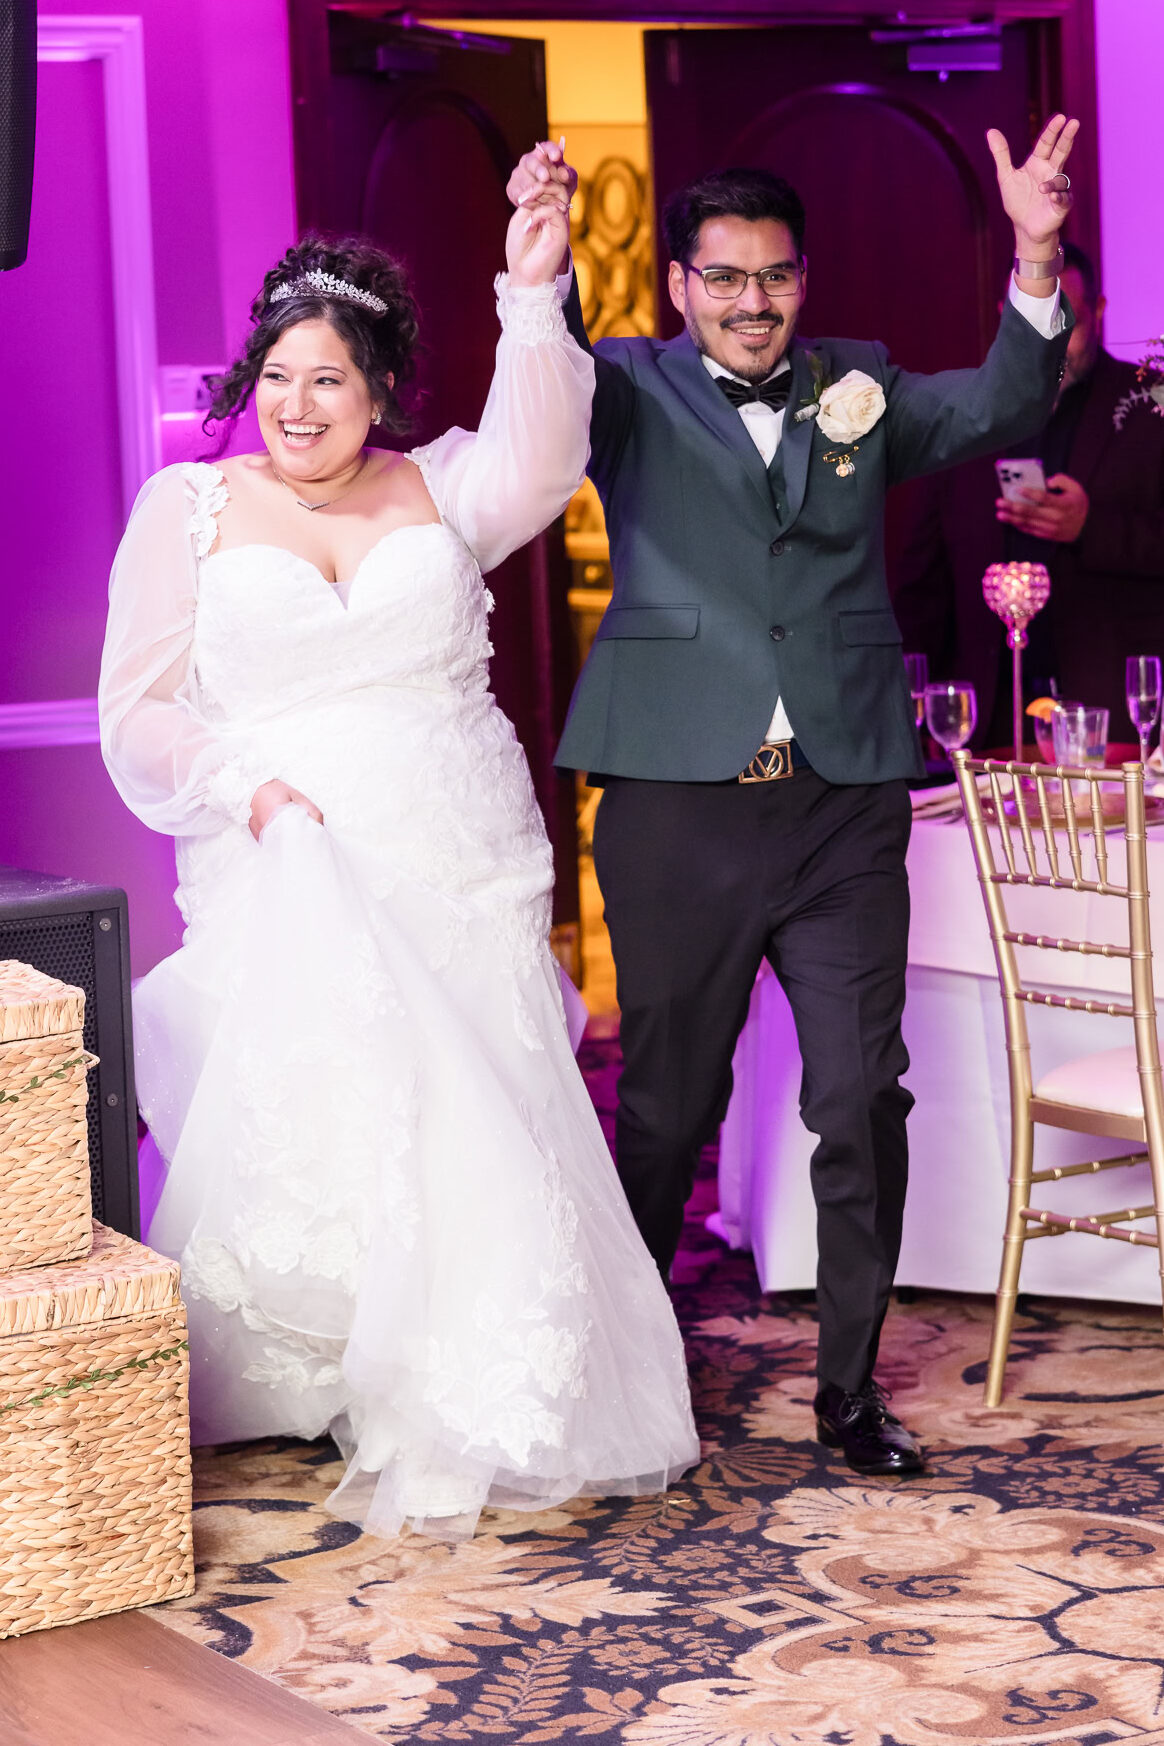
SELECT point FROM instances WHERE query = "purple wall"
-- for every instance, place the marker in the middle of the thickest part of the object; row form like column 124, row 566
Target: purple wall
column 218, row 117
column 1129, row 55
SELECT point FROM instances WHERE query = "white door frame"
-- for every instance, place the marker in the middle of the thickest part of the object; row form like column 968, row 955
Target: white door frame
column 116, row 43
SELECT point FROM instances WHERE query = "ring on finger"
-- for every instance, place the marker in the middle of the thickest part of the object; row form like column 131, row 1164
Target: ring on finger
column 1060, row 182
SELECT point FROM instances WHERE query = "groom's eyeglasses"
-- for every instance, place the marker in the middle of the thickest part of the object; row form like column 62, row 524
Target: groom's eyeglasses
column 728, row 282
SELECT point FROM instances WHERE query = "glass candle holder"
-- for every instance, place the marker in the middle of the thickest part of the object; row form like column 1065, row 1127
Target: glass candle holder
column 1016, row 591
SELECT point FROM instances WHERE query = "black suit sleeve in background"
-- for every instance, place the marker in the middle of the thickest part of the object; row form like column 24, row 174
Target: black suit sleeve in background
column 922, row 583
column 1118, row 540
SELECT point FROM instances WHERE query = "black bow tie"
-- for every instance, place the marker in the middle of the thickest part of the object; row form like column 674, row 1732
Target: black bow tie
column 773, row 392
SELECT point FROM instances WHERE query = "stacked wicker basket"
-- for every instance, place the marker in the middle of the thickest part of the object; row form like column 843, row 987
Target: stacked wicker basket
column 94, row 1429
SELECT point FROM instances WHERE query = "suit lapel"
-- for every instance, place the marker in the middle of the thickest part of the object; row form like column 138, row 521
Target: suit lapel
column 683, row 367
column 796, row 441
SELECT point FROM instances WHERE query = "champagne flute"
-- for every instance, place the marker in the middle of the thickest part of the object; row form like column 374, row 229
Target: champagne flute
column 917, row 671
column 1143, row 692
column 951, row 712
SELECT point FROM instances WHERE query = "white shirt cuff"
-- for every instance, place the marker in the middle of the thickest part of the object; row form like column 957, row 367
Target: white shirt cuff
column 1045, row 314
column 564, row 280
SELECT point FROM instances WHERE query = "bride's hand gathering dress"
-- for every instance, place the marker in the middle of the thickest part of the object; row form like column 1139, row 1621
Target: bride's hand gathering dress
column 395, row 1212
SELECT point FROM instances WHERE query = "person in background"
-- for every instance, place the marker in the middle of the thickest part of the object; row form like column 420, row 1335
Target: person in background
column 1098, row 527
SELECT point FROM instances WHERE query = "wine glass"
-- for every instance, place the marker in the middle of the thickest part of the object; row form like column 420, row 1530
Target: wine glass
column 951, row 712
column 1143, row 691
column 917, row 671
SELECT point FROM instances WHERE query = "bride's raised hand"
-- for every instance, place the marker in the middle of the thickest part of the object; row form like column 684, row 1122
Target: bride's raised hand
column 538, row 238
column 270, row 797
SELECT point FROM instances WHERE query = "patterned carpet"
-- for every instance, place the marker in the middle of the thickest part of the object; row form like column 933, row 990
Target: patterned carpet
column 1014, row 1595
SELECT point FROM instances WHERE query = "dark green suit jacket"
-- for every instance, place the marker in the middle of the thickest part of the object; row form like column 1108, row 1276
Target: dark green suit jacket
column 734, row 585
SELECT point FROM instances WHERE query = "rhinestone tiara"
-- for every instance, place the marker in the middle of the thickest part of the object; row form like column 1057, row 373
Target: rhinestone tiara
column 327, row 285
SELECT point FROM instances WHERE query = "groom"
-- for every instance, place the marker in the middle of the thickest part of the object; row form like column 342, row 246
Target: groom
column 746, row 708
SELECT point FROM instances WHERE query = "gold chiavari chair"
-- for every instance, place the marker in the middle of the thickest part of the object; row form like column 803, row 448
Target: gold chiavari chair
column 1061, row 830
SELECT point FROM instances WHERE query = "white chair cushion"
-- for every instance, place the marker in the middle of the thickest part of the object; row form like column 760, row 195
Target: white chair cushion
column 1107, row 1082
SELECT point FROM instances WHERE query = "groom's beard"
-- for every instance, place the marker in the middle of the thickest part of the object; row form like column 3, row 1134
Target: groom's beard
column 750, row 364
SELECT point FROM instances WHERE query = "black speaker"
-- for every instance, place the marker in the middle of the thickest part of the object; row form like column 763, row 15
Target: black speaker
column 80, row 933
column 17, row 125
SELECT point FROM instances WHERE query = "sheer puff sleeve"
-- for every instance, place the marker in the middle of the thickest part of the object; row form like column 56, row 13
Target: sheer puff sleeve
column 502, row 484
column 177, row 770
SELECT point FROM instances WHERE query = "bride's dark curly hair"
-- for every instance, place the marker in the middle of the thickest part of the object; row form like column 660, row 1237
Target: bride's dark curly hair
column 380, row 345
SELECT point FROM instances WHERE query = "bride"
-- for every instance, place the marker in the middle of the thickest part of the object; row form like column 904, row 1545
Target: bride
column 395, row 1212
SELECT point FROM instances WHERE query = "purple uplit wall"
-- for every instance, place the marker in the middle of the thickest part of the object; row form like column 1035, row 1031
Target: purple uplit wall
column 223, row 188
column 220, row 199
column 1129, row 56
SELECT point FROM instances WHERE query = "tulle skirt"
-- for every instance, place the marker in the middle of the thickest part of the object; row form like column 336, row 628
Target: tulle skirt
column 397, row 1217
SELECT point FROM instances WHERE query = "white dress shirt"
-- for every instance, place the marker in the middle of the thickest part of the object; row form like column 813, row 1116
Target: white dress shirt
column 765, row 424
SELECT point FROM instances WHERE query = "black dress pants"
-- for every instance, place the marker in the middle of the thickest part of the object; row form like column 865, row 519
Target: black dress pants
column 700, row 882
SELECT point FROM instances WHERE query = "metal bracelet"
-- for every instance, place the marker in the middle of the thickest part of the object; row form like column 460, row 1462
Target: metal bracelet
column 1040, row 269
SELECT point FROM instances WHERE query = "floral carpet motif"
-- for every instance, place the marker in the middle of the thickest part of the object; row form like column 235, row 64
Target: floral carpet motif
column 1014, row 1595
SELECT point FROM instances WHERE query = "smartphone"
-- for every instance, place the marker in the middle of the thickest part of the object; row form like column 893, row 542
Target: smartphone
column 1019, row 473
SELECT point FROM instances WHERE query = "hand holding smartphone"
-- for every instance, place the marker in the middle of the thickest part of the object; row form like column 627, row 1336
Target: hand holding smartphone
column 1017, row 474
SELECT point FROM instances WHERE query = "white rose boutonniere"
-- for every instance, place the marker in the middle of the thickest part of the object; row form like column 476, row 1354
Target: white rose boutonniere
column 850, row 408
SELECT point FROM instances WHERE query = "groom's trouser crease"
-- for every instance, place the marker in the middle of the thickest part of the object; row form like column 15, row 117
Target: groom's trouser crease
column 701, row 881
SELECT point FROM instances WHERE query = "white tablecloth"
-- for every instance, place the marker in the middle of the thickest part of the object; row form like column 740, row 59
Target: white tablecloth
column 959, row 1131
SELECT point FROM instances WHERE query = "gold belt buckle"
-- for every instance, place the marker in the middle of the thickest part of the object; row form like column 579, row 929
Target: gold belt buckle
column 772, row 763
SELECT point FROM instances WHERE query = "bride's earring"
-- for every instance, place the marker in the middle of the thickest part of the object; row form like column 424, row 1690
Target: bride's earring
column 376, row 417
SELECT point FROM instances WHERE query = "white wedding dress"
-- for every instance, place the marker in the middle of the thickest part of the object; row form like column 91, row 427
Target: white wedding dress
column 395, row 1212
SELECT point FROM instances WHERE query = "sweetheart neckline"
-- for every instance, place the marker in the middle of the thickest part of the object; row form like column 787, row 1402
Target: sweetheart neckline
column 333, row 588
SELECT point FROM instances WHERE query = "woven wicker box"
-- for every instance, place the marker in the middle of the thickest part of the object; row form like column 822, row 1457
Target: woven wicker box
column 94, row 1437
column 46, row 1209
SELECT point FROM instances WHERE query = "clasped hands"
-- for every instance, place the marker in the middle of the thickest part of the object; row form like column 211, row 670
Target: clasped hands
column 538, row 238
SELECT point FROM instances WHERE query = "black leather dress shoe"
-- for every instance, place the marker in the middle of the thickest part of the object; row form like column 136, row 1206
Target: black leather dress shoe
column 862, row 1427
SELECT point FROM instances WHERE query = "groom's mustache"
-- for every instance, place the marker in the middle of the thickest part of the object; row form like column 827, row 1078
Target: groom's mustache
column 734, row 321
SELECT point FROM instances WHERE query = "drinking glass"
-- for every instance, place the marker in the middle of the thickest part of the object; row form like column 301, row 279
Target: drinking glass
column 917, row 671
column 1080, row 735
column 1143, row 692
column 951, row 712
column 1044, row 739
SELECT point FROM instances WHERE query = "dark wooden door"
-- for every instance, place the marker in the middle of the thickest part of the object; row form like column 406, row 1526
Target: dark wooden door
column 408, row 135
column 906, row 240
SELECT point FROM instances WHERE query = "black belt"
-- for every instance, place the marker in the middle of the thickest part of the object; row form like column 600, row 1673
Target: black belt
column 775, row 762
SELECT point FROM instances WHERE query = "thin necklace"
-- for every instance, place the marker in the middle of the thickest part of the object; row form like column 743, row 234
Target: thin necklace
column 328, row 501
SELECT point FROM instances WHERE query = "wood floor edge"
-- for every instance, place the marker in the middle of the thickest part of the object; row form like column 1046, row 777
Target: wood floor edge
column 337, row 1729
column 128, row 1679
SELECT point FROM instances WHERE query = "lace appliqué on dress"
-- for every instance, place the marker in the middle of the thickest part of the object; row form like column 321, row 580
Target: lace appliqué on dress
column 530, row 314
column 494, row 1384
column 231, row 788
column 293, row 1360
column 207, row 490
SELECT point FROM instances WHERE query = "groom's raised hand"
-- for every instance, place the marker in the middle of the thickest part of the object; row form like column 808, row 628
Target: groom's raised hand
column 1035, row 194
